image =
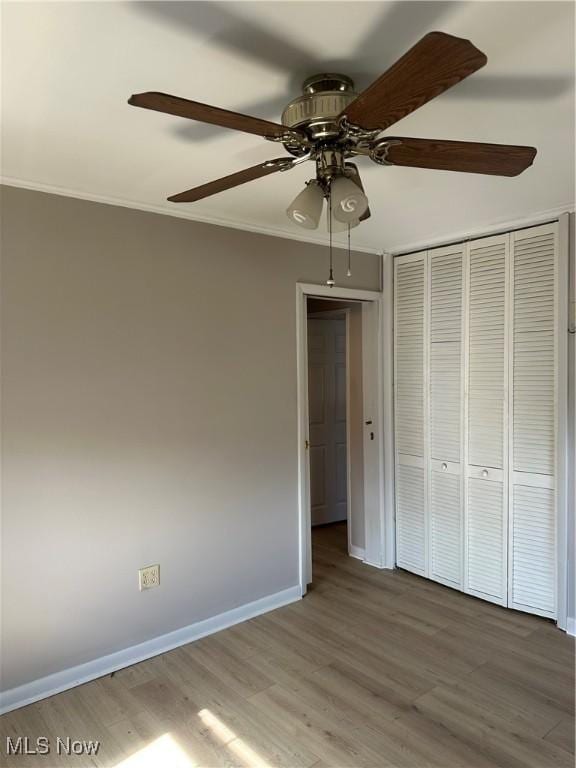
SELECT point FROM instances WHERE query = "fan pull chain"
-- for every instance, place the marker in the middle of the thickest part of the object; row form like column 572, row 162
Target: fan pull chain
column 330, row 281
column 349, row 270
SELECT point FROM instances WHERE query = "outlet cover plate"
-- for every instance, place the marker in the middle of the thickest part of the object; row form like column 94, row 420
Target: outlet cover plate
column 149, row 577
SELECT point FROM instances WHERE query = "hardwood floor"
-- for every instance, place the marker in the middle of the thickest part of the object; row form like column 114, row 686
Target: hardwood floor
column 372, row 668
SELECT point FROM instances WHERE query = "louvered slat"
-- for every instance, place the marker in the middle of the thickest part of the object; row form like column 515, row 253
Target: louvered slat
column 445, row 377
column 446, row 533
column 533, row 356
column 533, row 577
column 410, row 523
column 534, row 547
column 486, row 541
column 409, row 370
column 486, row 353
column 410, row 303
column 486, row 511
column 445, row 354
column 445, row 400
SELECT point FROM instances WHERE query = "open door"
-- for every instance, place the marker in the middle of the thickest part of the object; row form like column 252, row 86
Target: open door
column 317, row 498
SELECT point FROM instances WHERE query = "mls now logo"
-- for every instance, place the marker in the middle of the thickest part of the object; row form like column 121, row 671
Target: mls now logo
column 23, row 745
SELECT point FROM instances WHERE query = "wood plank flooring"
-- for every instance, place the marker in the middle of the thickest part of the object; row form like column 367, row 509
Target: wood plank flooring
column 372, row 668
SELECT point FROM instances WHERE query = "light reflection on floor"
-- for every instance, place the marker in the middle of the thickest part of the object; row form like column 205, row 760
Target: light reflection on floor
column 165, row 751
column 162, row 752
column 233, row 742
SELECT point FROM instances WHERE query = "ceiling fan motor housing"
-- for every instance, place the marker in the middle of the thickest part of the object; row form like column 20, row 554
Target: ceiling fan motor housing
column 317, row 111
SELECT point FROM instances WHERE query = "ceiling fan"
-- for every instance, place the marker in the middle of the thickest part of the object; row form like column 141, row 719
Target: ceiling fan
column 330, row 123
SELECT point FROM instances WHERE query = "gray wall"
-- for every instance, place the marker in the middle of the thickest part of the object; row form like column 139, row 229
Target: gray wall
column 148, row 416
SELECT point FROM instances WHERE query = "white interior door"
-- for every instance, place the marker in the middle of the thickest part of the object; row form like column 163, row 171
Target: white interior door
column 533, row 423
column 446, row 358
column 327, row 417
column 410, row 310
column 486, row 511
column 477, row 387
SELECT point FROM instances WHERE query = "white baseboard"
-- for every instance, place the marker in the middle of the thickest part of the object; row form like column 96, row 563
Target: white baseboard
column 357, row 552
column 69, row 678
column 571, row 626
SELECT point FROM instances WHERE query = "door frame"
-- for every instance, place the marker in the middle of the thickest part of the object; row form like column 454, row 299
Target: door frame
column 378, row 402
column 562, row 407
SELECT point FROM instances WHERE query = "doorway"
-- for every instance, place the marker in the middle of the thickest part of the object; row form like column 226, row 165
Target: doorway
column 345, row 462
column 334, row 336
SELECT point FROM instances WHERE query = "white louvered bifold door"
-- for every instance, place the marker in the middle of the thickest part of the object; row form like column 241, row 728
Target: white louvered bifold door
column 445, row 414
column 409, row 387
column 477, row 355
column 486, row 517
column 532, row 530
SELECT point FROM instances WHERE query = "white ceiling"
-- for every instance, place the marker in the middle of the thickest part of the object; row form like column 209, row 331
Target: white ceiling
column 68, row 68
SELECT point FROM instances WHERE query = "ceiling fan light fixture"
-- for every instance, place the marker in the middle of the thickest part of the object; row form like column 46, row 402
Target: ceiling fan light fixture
column 348, row 200
column 306, row 208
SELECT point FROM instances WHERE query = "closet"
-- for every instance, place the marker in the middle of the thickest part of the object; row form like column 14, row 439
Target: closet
column 476, row 370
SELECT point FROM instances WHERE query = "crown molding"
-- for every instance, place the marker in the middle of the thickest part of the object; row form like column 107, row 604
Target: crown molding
column 51, row 189
column 506, row 225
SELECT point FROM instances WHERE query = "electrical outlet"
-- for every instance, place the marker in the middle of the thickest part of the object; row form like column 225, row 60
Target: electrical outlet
column 149, row 577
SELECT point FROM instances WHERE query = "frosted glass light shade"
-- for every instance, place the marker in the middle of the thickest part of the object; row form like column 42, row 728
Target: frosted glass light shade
column 306, row 208
column 348, row 200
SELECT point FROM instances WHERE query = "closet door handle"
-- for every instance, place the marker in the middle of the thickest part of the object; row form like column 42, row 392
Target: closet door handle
column 484, row 473
column 444, row 466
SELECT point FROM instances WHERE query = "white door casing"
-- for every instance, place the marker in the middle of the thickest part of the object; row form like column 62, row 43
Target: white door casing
column 375, row 464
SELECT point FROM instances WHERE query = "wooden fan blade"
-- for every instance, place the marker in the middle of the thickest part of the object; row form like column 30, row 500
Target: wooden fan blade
column 204, row 113
column 429, row 68
column 234, row 180
column 465, row 156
